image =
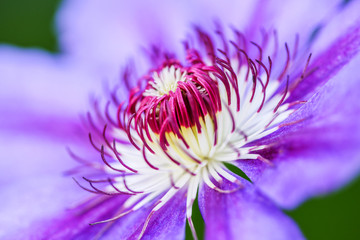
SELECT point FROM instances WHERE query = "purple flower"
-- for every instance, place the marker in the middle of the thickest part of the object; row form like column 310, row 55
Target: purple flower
column 275, row 96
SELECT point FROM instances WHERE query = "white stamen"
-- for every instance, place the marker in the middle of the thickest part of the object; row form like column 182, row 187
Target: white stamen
column 165, row 82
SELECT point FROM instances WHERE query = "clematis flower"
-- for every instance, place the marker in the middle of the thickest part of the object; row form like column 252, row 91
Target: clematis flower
column 273, row 97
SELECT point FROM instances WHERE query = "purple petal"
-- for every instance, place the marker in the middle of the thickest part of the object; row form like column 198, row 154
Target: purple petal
column 336, row 23
column 319, row 154
column 24, row 157
column 101, row 35
column 287, row 17
column 168, row 222
column 96, row 33
column 38, row 81
column 72, row 223
column 31, row 177
column 40, row 98
column 329, row 63
column 41, row 95
column 33, row 198
column 244, row 214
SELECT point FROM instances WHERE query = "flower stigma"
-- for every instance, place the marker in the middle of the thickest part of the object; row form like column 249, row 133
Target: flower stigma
column 183, row 122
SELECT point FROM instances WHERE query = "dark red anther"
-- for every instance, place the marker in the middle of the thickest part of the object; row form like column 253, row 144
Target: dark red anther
column 109, row 119
column 84, row 188
column 128, row 131
column 117, row 155
column 264, row 95
column 92, row 143
column 283, row 96
column 205, row 39
column 266, row 71
column 141, row 134
column 241, row 40
column 296, row 46
column 259, row 49
column 254, row 78
column 91, row 183
column 270, row 68
column 287, row 64
column 117, row 189
column 127, row 187
column 242, row 133
column 172, row 181
column 304, row 73
column 92, row 124
column 231, row 116
column 247, row 59
column 147, row 161
column 106, row 162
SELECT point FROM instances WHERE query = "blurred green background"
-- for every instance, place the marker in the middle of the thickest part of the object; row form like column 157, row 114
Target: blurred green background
column 29, row 23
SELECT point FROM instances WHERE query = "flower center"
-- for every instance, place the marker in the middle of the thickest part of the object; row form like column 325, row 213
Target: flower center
column 180, row 129
column 189, row 121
